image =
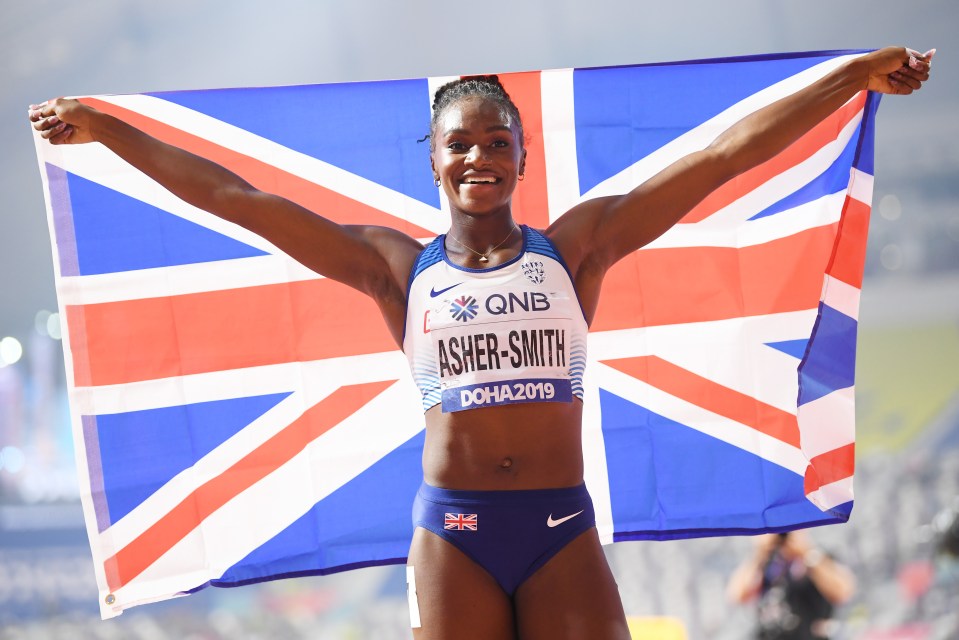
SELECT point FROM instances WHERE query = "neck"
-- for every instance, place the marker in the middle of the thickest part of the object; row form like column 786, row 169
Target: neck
column 478, row 240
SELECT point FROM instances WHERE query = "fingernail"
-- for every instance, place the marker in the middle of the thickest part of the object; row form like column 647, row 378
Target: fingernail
column 914, row 62
column 53, row 120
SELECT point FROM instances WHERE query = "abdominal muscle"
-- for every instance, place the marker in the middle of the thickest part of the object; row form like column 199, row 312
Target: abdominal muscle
column 519, row 446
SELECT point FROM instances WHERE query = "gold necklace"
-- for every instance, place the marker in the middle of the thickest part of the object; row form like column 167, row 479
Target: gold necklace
column 483, row 257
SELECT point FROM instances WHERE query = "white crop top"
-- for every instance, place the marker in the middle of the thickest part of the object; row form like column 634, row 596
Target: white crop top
column 484, row 337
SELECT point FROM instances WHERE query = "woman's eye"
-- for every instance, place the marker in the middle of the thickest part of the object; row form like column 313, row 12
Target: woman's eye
column 500, row 143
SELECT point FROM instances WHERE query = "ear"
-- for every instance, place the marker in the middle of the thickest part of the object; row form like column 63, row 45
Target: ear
column 522, row 163
column 433, row 167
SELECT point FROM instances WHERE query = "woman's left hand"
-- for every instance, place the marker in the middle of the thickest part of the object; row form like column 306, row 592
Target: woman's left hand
column 897, row 70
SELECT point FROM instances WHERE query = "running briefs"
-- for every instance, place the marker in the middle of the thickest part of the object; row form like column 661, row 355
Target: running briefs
column 511, row 534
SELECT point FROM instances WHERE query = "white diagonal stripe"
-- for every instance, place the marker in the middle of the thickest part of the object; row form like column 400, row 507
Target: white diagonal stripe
column 299, row 164
column 326, row 464
column 307, row 392
column 701, row 136
column 700, row 419
column 706, row 348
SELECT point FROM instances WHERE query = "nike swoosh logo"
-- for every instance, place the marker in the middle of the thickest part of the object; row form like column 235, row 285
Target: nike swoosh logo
column 434, row 292
column 555, row 523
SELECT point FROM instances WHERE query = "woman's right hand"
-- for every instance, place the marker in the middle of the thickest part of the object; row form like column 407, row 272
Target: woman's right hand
column 63, row 121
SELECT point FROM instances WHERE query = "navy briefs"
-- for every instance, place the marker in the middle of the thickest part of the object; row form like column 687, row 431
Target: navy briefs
column 510, row 534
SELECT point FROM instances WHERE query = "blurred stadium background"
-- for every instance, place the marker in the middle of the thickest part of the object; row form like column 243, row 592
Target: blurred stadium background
column 907, row 479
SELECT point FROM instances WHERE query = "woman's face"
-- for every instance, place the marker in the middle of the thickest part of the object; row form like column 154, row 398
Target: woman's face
column 478, row 155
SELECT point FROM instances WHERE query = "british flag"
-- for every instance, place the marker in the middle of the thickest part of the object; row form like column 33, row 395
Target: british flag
column 239, row 418
column 461, row 522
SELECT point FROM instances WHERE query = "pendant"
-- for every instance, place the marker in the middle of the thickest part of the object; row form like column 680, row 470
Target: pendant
column 483, row 259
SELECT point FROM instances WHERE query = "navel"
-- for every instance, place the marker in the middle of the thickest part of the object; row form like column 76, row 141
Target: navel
column 506, row 463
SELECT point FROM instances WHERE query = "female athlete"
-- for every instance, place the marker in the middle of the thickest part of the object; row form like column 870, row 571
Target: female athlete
column 493, row 318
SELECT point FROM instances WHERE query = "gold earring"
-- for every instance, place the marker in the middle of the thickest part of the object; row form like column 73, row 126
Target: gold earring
column 521, row 176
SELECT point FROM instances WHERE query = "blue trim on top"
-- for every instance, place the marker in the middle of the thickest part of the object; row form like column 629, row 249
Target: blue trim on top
column 427, row 258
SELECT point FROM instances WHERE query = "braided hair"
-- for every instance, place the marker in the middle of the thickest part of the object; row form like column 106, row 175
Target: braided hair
column 488, row 87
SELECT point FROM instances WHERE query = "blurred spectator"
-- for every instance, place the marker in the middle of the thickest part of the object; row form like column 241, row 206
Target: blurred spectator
column 796, row 586
column 947, row 528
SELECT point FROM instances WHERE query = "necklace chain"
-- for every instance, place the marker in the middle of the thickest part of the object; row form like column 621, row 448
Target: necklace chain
column 483, row 257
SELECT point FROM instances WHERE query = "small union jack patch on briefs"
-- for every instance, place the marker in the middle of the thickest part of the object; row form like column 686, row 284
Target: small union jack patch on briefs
column 461, row 522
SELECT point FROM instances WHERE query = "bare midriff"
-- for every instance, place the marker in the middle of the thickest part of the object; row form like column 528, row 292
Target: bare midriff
column 519, row 446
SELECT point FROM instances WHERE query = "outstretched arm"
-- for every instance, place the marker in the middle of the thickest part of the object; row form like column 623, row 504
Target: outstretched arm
column 596, row 234
column 374, row 260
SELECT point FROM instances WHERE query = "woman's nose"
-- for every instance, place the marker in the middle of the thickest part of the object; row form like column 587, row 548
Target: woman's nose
column 477, row 155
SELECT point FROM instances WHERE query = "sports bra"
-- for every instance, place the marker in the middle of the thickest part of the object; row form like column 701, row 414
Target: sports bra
column 503, row 335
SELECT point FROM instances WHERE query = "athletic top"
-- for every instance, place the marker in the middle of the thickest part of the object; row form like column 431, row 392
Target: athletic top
column 484, row 337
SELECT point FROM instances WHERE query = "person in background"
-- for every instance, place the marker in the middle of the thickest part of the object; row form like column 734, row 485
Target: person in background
column 796, row 586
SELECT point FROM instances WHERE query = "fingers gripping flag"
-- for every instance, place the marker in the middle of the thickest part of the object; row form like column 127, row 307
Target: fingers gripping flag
column 239, row 418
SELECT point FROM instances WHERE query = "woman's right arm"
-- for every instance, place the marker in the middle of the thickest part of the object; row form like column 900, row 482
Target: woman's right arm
column 374, row 260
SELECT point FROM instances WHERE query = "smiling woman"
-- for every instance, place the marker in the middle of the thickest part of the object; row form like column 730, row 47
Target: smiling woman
column 493, row 319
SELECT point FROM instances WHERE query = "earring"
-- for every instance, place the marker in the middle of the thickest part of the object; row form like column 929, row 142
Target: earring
column 436, row 181
column 521, row 176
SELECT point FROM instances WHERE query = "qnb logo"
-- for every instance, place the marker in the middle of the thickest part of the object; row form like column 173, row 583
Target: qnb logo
column 464, row 308
column 498, row 304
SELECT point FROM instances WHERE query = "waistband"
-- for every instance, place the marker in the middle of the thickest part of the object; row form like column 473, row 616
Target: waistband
column 507, row 497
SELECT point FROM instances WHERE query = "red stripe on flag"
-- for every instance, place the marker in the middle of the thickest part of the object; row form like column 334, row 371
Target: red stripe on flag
column 159, row 538
column 802, row 149
column 849, row 258
column 262, row 175
column 132, row 340
column 530, row 197
column 709, row 395
column 692, row 284
column 830, row 467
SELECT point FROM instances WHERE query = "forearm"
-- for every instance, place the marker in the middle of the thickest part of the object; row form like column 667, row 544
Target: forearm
column 763, row 134
column 195, row 180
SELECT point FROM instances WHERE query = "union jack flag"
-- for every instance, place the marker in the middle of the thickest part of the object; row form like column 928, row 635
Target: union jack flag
column 239, row 418
column 460, row 522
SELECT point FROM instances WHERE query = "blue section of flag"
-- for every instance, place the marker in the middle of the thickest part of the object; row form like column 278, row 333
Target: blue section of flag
column 655, row 468
column 116, row 233
column 620, row 116
column 832, row 180
column 795, row 348
column 371, row 129
column 140, row 451
column 365, row 522
column 865, row 160
column 830, row 364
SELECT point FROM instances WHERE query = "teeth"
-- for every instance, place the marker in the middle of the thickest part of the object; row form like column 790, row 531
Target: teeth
column 480, row 180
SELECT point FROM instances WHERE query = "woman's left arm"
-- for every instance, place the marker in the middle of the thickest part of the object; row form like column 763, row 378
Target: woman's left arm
column 596, row 234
